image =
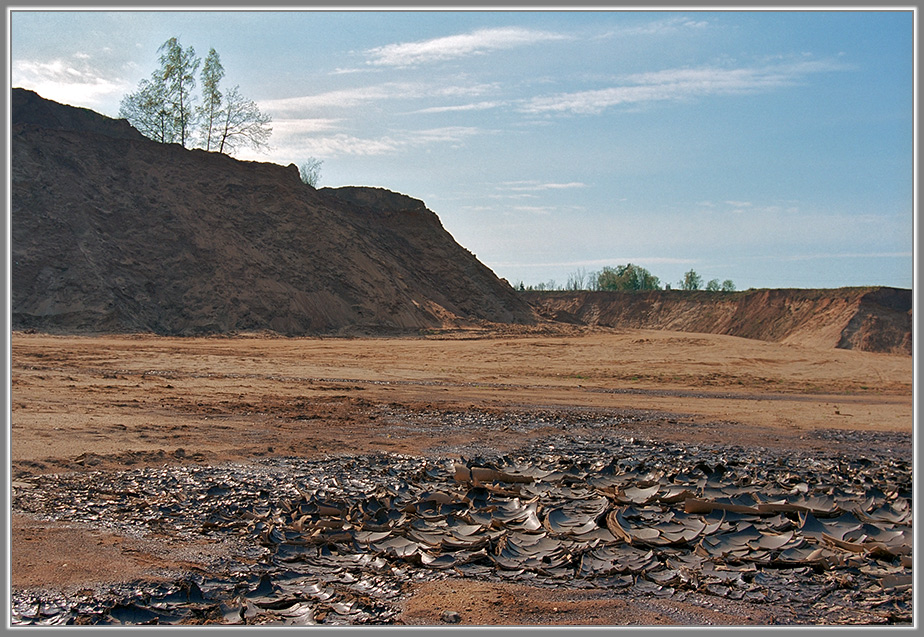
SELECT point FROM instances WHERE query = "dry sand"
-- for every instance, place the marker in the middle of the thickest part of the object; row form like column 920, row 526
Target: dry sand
column 114, row 402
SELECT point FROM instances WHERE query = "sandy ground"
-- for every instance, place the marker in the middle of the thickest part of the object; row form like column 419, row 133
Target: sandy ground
column 94, row 403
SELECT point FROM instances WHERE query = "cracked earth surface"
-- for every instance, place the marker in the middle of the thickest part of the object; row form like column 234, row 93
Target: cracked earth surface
column 114, row 407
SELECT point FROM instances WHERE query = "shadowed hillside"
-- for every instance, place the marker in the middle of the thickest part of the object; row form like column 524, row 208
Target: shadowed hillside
column 112, row 232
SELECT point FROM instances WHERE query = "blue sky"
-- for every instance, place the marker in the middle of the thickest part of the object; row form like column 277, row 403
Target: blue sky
column 772, row 148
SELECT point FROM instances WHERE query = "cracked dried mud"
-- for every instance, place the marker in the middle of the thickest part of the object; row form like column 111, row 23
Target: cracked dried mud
column 579, row 477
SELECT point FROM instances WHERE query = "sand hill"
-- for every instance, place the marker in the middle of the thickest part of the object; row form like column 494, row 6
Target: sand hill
column 112, row 232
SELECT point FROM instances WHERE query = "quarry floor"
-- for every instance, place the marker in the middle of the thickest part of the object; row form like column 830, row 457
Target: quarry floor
column 109, row 403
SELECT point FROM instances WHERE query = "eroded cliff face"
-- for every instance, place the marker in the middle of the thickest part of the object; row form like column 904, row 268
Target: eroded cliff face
column 112, row 232
column 870, row 319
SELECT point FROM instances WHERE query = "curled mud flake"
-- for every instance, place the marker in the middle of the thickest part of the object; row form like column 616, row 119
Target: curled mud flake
column 369, row 537
column 299, row 614
column 637, row 495
column 896, row 513
column 665, row 577
column 696, row 505
column 362, row 526
column 563, row 520
column 682, row 533
column 772, row 541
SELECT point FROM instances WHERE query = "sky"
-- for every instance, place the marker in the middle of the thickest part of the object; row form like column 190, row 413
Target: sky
column 772, row 148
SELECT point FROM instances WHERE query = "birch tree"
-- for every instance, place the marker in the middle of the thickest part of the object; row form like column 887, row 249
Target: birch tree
column 210, row 111
column 146, row 110
column 163, row 108
column 242, row 124
column 178, row 68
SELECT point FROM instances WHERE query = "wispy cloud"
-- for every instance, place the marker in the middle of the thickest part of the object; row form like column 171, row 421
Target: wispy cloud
column 359, row 95
column 306, row 126
column 530, row 186
column 72, row 81
column 451, row 47
column 344, row 144
column 343, row 98
column 536, row 210
column 669, row 26
column 301, row 143
column 680, row 84
column 475, row 106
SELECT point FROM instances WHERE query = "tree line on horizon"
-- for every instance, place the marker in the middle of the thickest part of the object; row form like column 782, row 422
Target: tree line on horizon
column 626, row 278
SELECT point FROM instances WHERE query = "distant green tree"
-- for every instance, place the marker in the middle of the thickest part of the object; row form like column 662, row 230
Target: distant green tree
column 728, row 285
column 713, row 286
column 691, row 281
column 629, row 278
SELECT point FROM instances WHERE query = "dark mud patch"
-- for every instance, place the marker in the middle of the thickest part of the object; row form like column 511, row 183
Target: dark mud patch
column 801, row 537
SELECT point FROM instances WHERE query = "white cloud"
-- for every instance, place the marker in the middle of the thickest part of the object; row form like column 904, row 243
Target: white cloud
column 536, row 210
column 455, row 46
column 507, row 196
column 669, row 26
column 343, row 144
column 453, row 134
column 292, row 127
column 528, row 186
column 350, row 97
column 476, row 106
column 342, row 98
column 467, row 90
column 298, row 142
column 71, row 81
column 679, row 84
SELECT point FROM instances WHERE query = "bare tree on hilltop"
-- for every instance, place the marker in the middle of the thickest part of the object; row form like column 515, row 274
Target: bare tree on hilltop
column 310, row 171
column 163, row 108
column 241, row 124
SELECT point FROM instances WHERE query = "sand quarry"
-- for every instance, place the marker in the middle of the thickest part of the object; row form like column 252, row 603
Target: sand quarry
column 94, row 411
